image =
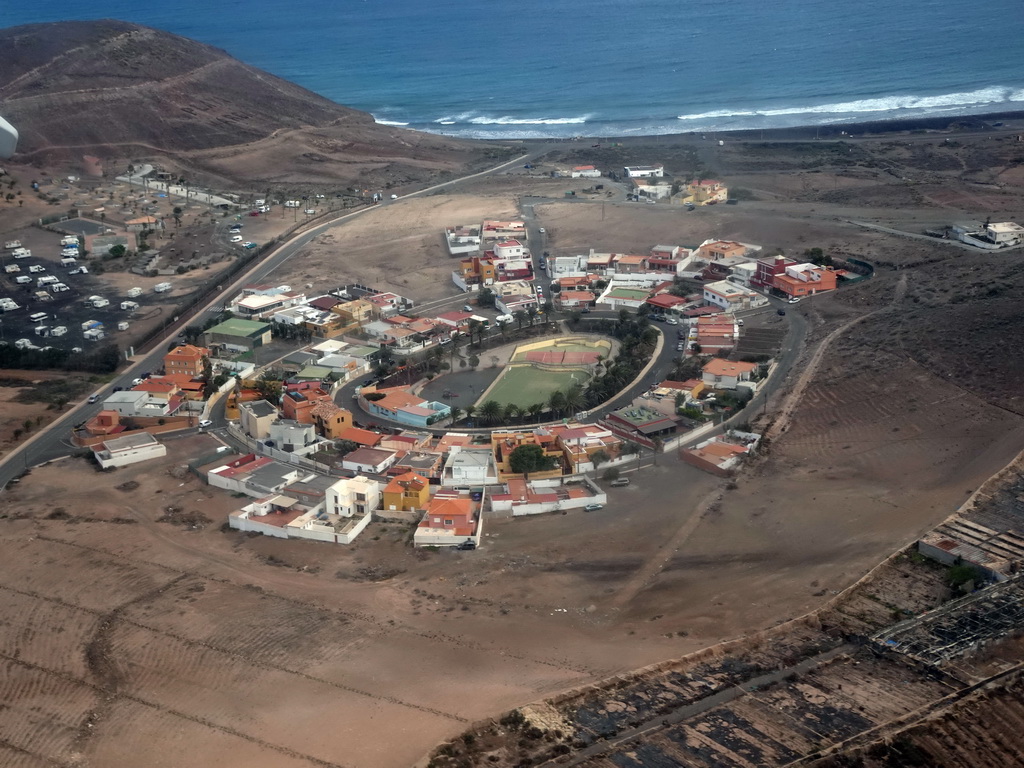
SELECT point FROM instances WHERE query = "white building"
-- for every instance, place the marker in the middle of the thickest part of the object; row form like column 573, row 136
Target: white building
column 352, row 496
column 1005, row 233
column 585, row 172
column 510, row 249
column 644, row 171
column 292, row 436
column 730, row 296
column 462, row 239
column 372, row 461
column 130, row 449
column 743, row 273
column 469, row 467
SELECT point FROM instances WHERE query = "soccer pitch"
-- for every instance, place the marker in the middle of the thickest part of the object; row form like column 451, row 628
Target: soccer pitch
column 524, row 385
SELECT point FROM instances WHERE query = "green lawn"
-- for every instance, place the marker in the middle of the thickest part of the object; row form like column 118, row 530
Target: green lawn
column 525, row 385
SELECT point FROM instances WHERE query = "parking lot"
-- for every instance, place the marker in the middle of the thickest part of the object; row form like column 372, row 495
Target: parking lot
column 63, row 308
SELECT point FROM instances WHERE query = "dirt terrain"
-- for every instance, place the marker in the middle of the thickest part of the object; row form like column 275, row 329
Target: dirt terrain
column 128, row 636
column 196, row 109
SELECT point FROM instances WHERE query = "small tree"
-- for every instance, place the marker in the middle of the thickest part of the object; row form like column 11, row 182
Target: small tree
column 612, row 473
column 345, row 446
column 599, row 457
column 485, row 298
column 529, row 458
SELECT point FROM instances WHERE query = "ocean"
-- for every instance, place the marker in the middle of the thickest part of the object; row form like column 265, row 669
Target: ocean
column 557, row 68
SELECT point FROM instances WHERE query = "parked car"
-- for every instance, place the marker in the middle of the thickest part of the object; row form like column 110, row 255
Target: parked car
column 236, row 239
column 593, row 507
column 672, row 321
column 680, row 346
column 205, row 423
column 542, row 230
column 249, row 245
column 794, row 300
column 780, row 311
column 620, row 482
column 468, row 544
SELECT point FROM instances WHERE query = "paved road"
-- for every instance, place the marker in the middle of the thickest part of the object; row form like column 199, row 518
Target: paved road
column 54, row 443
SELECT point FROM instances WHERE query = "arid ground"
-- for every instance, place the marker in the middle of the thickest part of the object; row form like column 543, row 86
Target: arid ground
column 125, row 635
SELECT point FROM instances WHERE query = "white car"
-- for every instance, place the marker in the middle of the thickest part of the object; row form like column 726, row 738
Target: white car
column 236, row 239
column 542, row 230
column 205, row 423
column 794, row 300
column 310, row 211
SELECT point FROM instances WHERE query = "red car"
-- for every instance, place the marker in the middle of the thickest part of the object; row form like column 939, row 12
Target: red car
column 254, row 213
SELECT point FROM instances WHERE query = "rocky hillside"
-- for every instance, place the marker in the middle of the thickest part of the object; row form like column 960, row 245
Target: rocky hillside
column 121, row 91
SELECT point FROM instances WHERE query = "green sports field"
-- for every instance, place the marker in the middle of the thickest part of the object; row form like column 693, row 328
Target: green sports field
column 525, row 385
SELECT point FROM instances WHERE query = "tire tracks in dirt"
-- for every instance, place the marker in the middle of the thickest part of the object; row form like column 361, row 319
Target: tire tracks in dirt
column 349, row 615
column 99, row 653
column 167, row 711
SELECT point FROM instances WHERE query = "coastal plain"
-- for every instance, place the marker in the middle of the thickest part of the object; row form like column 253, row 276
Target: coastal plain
column 136, row 629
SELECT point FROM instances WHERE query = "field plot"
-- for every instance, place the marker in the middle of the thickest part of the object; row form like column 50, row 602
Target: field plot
column 539, row 369
column 524, row 385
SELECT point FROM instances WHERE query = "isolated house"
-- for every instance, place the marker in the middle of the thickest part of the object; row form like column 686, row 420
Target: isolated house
column 130, row 449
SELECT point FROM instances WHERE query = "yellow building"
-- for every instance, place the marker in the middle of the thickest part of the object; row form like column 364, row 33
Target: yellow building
column 503, row 443
column 406, row 493
column 706, row 192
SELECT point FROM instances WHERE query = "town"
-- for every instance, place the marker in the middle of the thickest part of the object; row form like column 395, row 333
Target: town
column 340, row 406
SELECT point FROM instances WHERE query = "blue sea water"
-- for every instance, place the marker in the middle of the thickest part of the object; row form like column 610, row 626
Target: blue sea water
column 532, row 68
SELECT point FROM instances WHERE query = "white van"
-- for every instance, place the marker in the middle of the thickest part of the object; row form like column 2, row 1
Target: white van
column 23, row 279
column 69, row 262
column 46, row 280
column 59, row 288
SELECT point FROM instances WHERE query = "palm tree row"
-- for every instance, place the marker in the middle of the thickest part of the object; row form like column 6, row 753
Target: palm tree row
column 492, row 413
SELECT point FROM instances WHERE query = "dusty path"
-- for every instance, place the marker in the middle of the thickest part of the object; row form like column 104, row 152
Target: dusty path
column 792, row 401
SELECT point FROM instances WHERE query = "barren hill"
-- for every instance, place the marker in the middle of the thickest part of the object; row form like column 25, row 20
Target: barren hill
column 121, row 91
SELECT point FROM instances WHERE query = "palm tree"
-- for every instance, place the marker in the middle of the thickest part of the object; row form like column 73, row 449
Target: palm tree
column 520, row 317
column 536, row 410
column 532, row 314
column 476, row 327
column 574, row 398
column 658, row 445
column 470, row 410
column 512, row 412
column 557, row 402
column 455, row 415
column 491, row 412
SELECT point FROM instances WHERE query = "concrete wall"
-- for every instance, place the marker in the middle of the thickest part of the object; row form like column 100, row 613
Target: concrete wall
column 134, row 456
column 253, row 524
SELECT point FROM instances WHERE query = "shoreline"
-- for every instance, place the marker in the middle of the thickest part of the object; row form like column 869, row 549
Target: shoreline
column 982, row 122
